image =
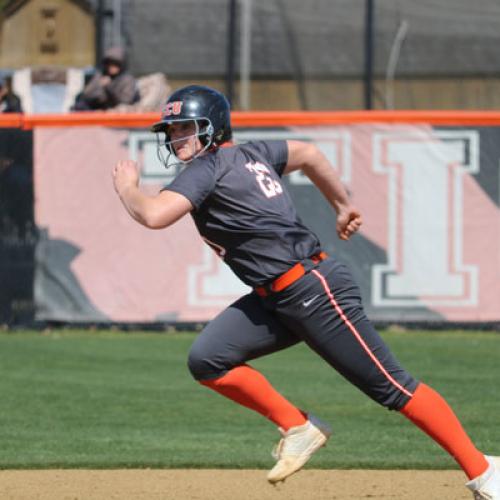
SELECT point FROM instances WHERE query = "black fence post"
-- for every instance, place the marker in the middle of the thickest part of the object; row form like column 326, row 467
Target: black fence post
column 231, row 51
column 369, row 53
column 99, row 18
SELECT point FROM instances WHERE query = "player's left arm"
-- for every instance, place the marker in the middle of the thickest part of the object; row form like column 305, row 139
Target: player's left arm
column 154, row 212
column 308, row 157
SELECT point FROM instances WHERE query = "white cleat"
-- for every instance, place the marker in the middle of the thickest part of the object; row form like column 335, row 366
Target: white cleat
column 487, row 485
column 297, row 446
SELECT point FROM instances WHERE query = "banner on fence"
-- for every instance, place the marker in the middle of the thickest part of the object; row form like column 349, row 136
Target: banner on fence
column 428, row 248
column 17, row 231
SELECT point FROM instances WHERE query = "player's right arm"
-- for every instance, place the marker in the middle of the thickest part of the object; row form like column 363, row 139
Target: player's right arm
column 308, row 157
column 154, row 212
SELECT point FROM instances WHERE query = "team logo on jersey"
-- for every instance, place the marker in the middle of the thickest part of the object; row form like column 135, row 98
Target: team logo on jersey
column 268, row 185
column 172, row 109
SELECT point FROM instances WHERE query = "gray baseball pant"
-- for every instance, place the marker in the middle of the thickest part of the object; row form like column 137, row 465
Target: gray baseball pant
column 322, row 309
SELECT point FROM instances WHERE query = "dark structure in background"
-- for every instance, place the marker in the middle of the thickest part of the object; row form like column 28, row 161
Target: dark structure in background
column 438, row 54
column 18, row 235
column 315, row 54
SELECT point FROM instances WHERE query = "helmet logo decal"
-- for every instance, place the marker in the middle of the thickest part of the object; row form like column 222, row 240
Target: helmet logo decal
column 172, row 108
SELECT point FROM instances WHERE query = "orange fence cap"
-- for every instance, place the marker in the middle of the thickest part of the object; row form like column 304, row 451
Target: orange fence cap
column 261, row 118
column 92, row 118
column 431, row 117
column 11, row 120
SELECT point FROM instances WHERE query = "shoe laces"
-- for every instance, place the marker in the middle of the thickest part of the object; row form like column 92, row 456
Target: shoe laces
column 291, row 442
column 277, row 450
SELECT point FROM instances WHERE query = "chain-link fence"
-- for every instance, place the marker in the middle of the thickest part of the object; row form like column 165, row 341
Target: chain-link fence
column 312, row 54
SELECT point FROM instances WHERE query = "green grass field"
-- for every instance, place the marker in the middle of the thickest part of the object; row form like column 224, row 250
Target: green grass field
column 109, row 400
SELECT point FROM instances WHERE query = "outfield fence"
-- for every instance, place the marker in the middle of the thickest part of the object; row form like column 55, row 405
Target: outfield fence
column 427, row 184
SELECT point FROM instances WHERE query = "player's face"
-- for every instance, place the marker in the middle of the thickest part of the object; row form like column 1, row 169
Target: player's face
column 184, row 140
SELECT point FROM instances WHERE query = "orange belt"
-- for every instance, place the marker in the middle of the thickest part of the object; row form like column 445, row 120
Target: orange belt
column 291, row 276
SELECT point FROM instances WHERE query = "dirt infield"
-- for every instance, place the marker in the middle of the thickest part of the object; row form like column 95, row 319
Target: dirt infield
column 229, row 485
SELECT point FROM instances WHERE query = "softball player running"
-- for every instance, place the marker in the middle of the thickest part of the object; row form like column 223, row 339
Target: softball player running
column 300, row 294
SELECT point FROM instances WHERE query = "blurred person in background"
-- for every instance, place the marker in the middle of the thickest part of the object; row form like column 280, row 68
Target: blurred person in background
column 109, row 87
column 9, row 102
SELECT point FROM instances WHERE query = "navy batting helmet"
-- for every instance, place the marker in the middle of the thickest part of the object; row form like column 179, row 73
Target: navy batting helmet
column 207, row 107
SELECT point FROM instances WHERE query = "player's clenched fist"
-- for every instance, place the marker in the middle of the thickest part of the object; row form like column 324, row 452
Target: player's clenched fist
column 125, row 174
column 348, row 222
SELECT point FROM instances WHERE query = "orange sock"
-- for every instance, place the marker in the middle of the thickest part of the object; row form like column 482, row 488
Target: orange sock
column 431, row 413
column 249, row 388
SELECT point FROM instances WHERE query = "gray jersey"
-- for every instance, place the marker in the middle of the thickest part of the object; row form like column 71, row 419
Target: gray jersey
column 243, row 211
